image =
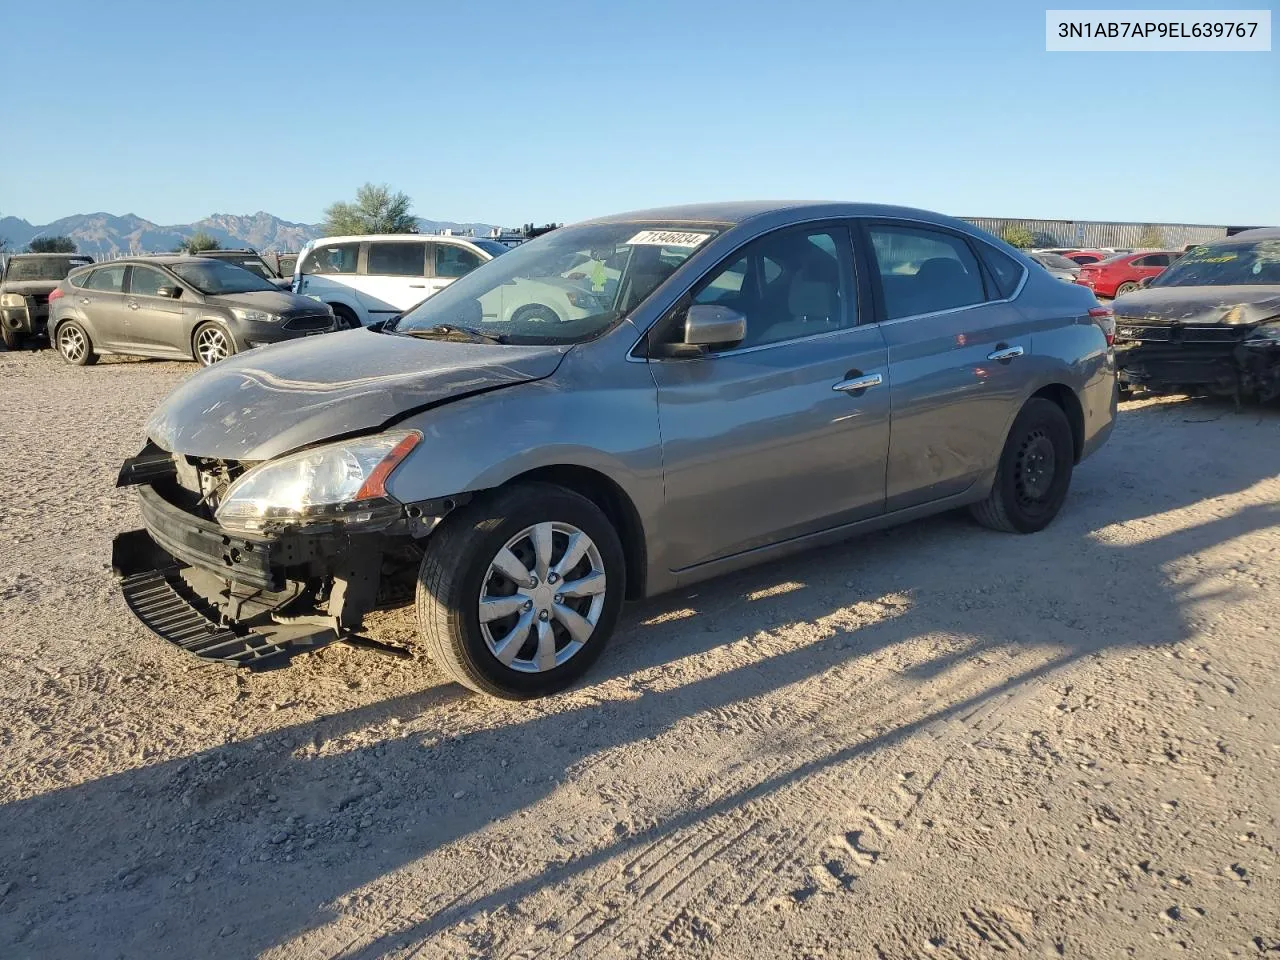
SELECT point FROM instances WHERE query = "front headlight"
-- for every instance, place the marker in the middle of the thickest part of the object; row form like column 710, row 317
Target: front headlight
column 12, row 300
column 341, row 482
column 257, row 316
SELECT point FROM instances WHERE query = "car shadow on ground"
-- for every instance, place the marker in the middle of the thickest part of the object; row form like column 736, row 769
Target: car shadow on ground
column 260, row 841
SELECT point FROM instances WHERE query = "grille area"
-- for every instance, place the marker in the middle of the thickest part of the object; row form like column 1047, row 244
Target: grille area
column 309, row 324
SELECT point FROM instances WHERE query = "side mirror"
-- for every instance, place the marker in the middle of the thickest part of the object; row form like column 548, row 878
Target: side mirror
column 710, row 323
column 169, row 293
column 1145, row 282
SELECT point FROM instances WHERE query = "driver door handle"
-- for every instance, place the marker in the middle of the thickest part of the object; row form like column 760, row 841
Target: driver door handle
column 857, row 384
column 1005, row 353
column 133, row 304
column 417, row 286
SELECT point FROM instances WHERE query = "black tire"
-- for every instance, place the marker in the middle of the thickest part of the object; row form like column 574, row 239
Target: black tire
column 13, row 339
column 456, row 569
column 1127, row 287
column 65, row 339
column 535, row 313
column 1024, row 498
column 346, row 319
column 1124, row 391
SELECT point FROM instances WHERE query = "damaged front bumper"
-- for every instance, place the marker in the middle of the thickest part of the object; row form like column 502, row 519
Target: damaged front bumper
column 1222, row 360
column 251, row 600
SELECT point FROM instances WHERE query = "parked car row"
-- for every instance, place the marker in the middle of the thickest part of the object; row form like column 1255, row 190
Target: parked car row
column 615, row 409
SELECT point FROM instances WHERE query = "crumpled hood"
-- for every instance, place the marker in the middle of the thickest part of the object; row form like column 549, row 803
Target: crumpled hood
column 1244, row 305
column 272, row 301
column 271, row 400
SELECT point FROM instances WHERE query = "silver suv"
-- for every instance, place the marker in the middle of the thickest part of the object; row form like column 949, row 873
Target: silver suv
column 734, row 382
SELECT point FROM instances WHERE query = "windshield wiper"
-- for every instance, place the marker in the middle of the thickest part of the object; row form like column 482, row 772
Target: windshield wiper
column 449, row 331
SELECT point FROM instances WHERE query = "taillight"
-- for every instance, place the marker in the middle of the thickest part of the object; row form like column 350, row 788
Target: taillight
column 1105, row 318
column 56, row 294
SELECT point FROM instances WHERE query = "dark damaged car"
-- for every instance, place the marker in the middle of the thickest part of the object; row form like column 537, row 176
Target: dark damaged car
column 28, row 281
column 1209, row 324
column 735, row 382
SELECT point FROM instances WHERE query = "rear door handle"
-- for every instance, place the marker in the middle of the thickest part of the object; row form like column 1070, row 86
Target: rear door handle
column 1005, row 353
column 858, row 384
column 133, row 304
column 417, row 286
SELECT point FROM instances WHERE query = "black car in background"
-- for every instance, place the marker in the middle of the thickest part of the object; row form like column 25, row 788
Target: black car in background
column 178, row 307
column 1210, row 323
column 27, row 281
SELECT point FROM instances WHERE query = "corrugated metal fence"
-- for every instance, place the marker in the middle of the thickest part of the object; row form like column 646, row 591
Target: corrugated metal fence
column 1086, row 233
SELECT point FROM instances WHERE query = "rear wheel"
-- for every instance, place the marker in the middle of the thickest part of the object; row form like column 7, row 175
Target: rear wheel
column 1034, row 472
column 74, row 344
column 211, row 343
column 1127, row 287
column 519, row 591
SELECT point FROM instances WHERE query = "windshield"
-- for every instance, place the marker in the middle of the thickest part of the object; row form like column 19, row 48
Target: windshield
column 253, row 265
column 1225, row 265
column 567, row 286
column 217, row 277
column 1055, row 261
column 491, row 247
column 43, row 268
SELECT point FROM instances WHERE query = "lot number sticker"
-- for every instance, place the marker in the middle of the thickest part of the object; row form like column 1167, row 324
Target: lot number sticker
column 668, row 238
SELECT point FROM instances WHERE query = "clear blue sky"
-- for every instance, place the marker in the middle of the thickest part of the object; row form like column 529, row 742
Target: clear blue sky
column 506, row 111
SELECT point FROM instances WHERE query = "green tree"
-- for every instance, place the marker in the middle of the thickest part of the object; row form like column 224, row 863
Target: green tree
column 376, row 210
column 1019, row 237
column 1152, row 236
column 52, row 245
column 199, row 242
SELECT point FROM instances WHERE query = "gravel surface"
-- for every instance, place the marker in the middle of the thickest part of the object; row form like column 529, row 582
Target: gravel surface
column 936, row 741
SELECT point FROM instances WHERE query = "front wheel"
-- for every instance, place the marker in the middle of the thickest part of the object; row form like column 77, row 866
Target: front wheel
column 519, row 591
column 13, row 339
column 1034, row 472
column 211, row 343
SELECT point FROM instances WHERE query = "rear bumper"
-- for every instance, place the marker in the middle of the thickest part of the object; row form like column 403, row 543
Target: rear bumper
column 33, row 318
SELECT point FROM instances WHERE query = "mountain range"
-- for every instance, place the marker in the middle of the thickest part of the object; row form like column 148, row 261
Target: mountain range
column 105, row 234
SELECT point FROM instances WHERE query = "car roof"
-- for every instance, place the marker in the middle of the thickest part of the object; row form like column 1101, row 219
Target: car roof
column 167, row 259
column 424, row 237
column 1260, row 233
column 739, row 211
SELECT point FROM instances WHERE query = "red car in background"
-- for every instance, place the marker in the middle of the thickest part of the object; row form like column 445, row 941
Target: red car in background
column 1123, row 273
column 1087, row 256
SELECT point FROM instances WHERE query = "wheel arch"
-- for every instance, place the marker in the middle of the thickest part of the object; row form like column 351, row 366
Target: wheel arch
column 613, row 501
column 1065, row 398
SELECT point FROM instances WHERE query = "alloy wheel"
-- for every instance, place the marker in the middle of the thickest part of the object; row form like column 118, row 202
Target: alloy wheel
column 212, row 345
column 72, row 343
column 542, row 597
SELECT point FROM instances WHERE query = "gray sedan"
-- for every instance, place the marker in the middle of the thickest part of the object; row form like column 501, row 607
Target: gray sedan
column 175, row 306
column 741, row 381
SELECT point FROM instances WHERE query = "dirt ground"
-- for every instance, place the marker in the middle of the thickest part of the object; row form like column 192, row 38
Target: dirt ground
column 937, row 741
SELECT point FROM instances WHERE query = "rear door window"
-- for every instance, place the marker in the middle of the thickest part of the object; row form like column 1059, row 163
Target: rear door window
column 332, row 258
column 1006, row 271
column 453, row 261
column 924, row 271
column 107, row 279
column 390, row 259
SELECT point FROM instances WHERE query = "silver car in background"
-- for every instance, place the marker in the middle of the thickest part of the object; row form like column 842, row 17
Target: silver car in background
column 1057, row 265
column 738, row 382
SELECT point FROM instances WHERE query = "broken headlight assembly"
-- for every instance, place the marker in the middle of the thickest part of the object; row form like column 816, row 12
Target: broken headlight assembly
column 1267, row 335
column 342, row 483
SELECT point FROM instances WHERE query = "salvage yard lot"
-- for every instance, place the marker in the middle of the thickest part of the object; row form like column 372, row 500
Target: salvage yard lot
column 935, row 741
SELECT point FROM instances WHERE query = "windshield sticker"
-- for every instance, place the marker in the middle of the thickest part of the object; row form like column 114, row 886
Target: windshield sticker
column 668, row 238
